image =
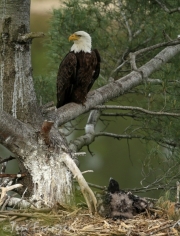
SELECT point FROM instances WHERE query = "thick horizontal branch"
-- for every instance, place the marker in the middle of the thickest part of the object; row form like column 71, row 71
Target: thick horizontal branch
column 156, row 113
column 13, row 131
column 113, row 89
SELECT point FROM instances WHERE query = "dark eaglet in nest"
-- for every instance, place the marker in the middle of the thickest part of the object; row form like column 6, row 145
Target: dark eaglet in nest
column 119, row 204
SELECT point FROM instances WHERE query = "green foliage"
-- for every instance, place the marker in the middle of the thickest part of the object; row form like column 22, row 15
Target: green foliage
column 45, row 88
column 116, row 29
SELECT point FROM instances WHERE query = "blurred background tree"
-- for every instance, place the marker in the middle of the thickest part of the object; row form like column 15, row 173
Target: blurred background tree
column 118, row 28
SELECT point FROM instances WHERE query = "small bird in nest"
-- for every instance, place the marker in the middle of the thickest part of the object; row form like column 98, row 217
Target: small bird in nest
column 119, row 204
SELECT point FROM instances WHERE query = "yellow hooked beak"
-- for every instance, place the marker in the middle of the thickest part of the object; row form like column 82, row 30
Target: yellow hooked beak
column 73, row 37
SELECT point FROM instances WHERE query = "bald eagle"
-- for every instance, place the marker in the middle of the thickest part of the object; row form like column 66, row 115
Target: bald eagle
column 78, row 70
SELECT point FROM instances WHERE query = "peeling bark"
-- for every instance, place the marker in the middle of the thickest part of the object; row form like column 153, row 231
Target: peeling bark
column 36, row 144
column 17, row 95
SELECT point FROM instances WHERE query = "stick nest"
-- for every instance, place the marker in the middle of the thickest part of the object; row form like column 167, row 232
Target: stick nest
column 57, row 222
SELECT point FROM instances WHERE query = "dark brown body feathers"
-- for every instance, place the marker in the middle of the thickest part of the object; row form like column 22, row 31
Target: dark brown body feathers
column 76, row 75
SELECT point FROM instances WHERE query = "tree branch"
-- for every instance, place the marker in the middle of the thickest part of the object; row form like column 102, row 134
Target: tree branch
column 134, row 54
column 113, row 89
column 4, row 190
column 138, row 109
column 30, row 36
column 88, row 138
column 165, row 8
column 6, row 159
column 86, row 191
column 13, row 132
column 128, row 136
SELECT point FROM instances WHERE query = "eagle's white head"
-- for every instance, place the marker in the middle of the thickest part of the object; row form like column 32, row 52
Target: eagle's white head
column 82, row 42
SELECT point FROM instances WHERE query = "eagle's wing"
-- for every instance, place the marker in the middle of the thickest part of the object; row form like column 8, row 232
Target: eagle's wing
column 97, row 61
column 65, row 79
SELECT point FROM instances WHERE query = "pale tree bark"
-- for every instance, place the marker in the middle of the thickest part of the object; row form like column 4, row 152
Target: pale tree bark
column 29, row 133
column 47, row 177
column 17, row 95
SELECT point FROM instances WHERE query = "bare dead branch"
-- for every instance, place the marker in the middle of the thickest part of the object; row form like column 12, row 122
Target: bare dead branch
column 7, row 159
column 30, row 36
column 97, row 186
column 88, row 138
column 120, row 136
column 126, row 136
column 158, row 45
column 133, row 55
column 12, row 175
column 86, row 191
column 87, row 171
column 4, row 190
column 137, row 109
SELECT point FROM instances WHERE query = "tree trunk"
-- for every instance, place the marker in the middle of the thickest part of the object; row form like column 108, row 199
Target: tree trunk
column 36, row 144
